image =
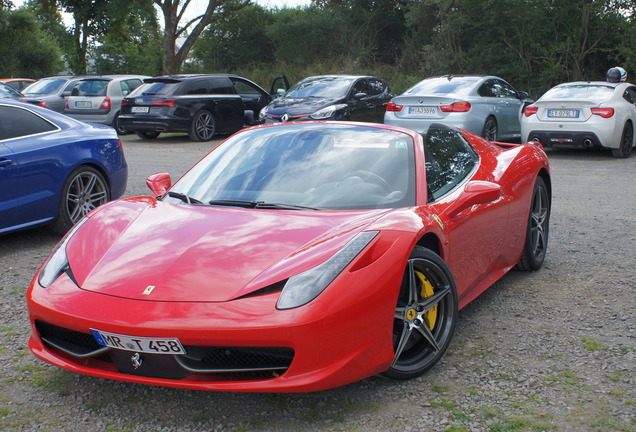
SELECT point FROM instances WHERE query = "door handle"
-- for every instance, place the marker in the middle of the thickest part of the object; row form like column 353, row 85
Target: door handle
column 5, row 162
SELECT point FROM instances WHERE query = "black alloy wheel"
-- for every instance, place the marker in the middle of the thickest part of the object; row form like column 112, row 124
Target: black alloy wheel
column 627, row 141
column 118, row 127
column 203, row 126
column 425, row 315
column 536, row 244
column 490, row 130
column 84, row 190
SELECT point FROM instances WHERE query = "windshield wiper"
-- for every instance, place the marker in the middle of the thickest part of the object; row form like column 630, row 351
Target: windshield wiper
column 183, row 197
column 260, row 205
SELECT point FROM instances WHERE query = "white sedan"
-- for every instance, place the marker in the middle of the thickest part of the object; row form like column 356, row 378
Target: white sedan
column 584, row 114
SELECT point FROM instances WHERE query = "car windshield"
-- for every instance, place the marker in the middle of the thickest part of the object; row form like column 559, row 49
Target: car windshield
column 321, row 87
column 593, row 92
column 444, row 85
column 317, row 166
column 46, row 86
column 6, row 91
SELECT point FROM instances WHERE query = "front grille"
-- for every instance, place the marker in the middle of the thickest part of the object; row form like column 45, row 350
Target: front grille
column 230, row 362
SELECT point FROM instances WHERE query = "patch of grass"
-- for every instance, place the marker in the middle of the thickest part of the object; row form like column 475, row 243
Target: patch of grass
column 28, row 368
column 457, row 428
column 440, row 388
column 615, row 376
column 490, row 412
column 550, row 355
column 355, row 405
column 511, row 424
column 96, row 407
column 570, row 377
column 5, row 411
column 591, row 344
column 446, row 403
column 52, row 381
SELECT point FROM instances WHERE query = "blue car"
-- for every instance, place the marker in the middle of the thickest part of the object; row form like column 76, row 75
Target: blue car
column 54, row 169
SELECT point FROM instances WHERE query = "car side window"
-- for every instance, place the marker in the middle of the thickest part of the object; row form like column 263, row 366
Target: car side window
column 220, row 86
column 630, row 95
column 244, row 88
column 17, row 122
column 487, row 90
column 376, row 87
column 360, row 87
column 449, row 160
column 69, row 87
column 503, row 89
column 125, row 89
column 196, row 87
column 129, row 85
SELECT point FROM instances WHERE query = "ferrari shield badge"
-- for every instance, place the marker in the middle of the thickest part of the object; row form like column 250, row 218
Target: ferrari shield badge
column 149, row 289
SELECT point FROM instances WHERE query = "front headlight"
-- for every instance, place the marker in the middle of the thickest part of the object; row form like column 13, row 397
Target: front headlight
column 261, row 115
column 57, row 262
column 306, row 286
column 327, row 112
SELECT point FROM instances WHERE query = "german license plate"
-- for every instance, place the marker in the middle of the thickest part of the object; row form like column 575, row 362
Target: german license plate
column 563, row 113
column 83, row 104
column 139, row 109
column 138, row 344
column 427, row 110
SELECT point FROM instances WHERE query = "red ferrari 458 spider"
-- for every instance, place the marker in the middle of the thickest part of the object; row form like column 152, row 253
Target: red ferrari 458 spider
column 293, row 257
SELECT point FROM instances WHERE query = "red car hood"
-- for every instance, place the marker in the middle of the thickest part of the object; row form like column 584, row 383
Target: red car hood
column 201, row 254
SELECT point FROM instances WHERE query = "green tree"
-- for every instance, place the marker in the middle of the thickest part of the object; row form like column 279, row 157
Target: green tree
column 24, row 47
column 92, row 19
column 177, row 28
column 132, row 44
column 235, row 41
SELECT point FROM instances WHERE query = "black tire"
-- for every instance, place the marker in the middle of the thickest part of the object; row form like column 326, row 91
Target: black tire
column 425, row 315
column 85, row 189
column 490, row 130
column 147, row 135
column 627, row 141
column 203, row 126
column 118, row 127
column 536, row 244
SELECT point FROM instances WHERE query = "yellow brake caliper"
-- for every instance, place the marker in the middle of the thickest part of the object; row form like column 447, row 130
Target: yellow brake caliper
column 427, row 291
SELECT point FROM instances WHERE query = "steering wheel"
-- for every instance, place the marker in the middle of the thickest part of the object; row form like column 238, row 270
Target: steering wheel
column 371, row 177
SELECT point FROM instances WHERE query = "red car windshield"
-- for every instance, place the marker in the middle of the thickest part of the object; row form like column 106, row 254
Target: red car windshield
column 320, row 166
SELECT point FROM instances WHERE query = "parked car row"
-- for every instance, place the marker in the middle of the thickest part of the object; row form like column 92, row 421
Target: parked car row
column 203, row 105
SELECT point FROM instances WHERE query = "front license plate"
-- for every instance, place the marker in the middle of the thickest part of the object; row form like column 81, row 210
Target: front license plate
column 139, row 110
column 138, row 344
column 83, row 104
column 563, row 113
column 428, row 110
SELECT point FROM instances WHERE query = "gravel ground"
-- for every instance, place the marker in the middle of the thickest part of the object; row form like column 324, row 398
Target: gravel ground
column 553, row 350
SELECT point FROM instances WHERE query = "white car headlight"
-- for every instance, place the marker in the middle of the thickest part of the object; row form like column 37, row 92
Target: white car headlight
column 326, row 112
column 261, row 115
column 57, row 262
column 306, row 286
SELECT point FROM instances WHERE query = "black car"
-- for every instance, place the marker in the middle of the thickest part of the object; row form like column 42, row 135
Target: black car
column 331, row 97
column 200, row 105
